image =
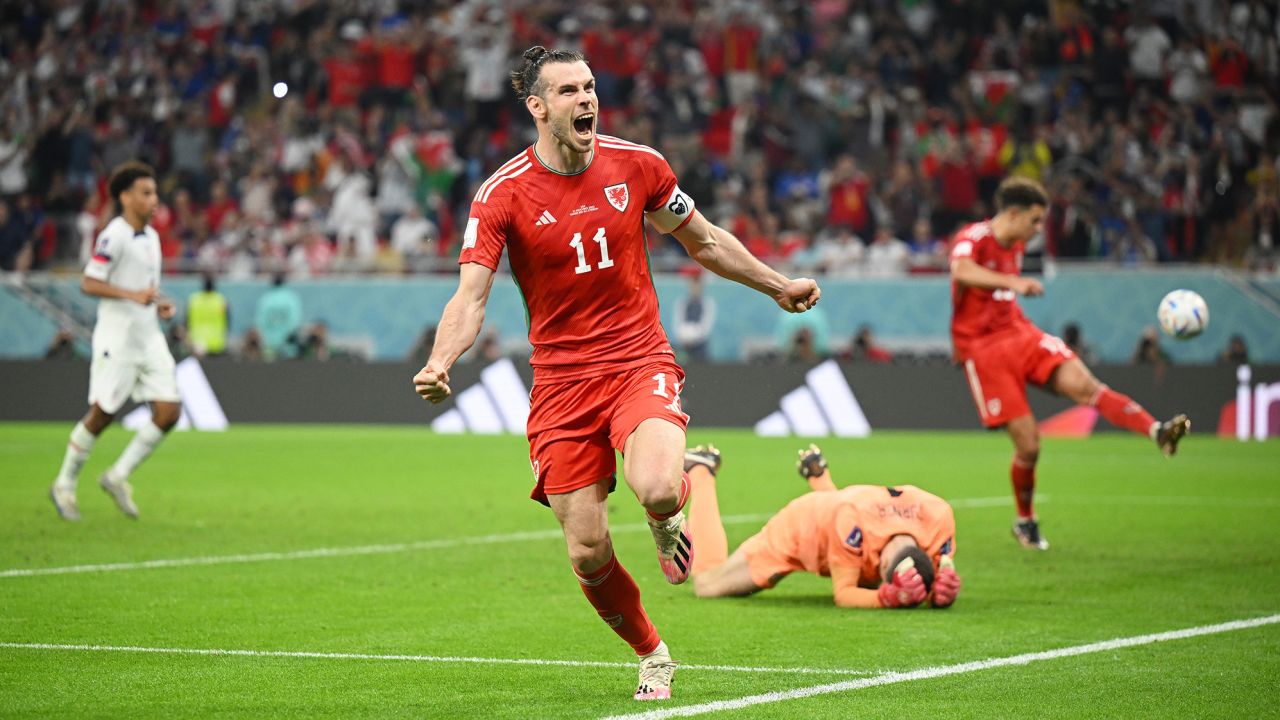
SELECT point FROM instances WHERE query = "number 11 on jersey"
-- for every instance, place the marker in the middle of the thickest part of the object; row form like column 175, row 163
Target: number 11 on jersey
column 602, row 241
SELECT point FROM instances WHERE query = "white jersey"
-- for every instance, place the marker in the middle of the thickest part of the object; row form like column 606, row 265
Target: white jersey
column 128, row 259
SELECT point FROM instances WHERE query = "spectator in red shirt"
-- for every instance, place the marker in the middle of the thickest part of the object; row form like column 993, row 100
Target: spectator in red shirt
column 957, row 188
column 346, row 79
column 848, row 197
column 396, row 56
column 220, row 203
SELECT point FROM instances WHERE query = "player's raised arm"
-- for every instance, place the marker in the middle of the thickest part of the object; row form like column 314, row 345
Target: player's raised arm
column 719, row 251
column 460, row 323
column 970, row 274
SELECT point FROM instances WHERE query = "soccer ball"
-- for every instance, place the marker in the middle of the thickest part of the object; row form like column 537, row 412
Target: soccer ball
column 1183, row 314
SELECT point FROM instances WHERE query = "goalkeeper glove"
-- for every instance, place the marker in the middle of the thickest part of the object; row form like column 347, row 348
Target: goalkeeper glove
column 946, row 586
column 811, row 463
column 905, row 589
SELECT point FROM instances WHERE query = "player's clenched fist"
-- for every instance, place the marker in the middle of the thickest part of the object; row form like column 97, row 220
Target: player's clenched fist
column 146, row 297
column 946, row 586
column 799, row 295
column 432, row 383
column 906, row 589
column 1028, row 286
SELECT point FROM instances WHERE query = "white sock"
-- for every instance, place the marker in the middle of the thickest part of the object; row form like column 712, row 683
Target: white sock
column 78, row 447
column 139, row 449
column 660, row 650
column 1154, row 430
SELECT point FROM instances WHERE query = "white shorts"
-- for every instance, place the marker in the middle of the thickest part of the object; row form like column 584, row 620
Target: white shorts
column 144, row 377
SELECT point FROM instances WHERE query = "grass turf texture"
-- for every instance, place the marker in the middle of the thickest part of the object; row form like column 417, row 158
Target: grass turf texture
column 1140, row 545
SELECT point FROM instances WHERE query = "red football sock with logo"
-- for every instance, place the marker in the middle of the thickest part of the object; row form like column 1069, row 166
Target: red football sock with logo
column 1120, row 410
column 1024, row 486
column 616, row 597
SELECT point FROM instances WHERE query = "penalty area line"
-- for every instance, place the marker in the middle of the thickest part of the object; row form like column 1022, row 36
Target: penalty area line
column 928, row 673
column 441, row 659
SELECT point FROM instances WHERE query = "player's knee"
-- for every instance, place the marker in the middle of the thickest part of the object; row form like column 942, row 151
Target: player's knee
column 1028, row 451
column 589, row 554
column 1086, row 391
column 166, row 416
column 97, row 419
column 657, row 492
column 711, row 584
column 703, row 587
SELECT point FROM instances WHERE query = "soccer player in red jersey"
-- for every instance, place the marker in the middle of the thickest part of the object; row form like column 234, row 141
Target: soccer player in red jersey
column 1001, row 351
column 570, row 211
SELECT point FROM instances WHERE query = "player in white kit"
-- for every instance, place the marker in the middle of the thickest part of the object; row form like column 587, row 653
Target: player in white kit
column 130, row 356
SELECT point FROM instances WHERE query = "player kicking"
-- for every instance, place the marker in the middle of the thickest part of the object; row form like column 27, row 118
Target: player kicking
column 130, row 356
column 1001, row 350
column 882, row 547
column 570, row 211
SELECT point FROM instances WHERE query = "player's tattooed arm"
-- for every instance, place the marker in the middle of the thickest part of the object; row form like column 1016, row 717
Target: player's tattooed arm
column 719, row 251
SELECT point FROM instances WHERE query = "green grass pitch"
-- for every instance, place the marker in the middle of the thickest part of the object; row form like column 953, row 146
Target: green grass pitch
column 1141, row 545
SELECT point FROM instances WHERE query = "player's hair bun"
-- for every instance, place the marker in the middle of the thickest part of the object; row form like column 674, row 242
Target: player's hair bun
column 524, row 79
column 534, row 54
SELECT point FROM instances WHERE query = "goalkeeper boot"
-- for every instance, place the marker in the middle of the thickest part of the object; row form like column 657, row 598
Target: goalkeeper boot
column 120, row 491
column 706, row 455
column 656, row 671
column 1027, row 532
column 1170, row 432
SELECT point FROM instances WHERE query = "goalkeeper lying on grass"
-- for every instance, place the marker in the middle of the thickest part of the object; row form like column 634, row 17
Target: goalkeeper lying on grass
column 881, row 546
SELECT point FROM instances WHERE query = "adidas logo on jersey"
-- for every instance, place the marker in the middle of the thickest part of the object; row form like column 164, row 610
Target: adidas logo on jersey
column 824, row 405
column 546, row 219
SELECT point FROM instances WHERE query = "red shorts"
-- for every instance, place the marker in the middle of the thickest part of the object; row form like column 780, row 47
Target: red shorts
column 575, row 426
column 999, row 370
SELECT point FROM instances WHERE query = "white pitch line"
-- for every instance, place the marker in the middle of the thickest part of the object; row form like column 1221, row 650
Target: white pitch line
column 550, row 534
column 417, row 658
column 391, row 548
column 382, row 549
column 1171, row 500
column 928, row 673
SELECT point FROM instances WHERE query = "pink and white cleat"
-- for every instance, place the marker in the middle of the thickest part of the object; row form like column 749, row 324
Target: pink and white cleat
column 675, row 548
column 656, row 671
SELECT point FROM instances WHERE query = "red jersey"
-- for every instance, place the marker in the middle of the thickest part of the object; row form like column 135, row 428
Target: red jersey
column 577, row 249
column 977, row 313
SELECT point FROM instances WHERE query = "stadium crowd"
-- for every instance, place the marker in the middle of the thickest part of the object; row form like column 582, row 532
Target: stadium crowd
column 841, row 137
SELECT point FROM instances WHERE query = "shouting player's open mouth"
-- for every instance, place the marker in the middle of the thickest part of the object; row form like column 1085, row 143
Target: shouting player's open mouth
column 584, row 125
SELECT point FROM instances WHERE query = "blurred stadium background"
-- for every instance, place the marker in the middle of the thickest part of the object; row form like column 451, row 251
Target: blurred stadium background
column 339, row 144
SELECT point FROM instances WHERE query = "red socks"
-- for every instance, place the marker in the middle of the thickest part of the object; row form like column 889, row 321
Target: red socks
column 1120, row 410
column 616, row 597
column 1024, row 486
column 681, row 499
